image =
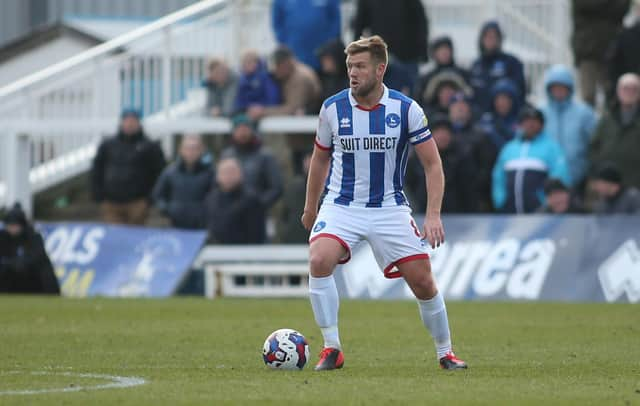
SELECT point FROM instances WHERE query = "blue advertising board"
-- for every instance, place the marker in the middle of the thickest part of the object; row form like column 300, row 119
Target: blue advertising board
column 533, row 257
column 124, row 261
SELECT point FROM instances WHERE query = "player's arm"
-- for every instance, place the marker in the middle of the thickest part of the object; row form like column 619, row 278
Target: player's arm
column 429, row 156
column 318, row 169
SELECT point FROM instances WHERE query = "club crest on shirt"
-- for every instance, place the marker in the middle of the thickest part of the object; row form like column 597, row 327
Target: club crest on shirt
column 392, row 120
column 319, row 226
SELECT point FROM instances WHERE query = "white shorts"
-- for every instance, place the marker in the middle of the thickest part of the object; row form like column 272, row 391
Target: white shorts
column 391, row 232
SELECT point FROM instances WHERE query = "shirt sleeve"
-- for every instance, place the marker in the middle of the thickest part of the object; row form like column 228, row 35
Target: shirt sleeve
column 418, row 125
column 324, row 137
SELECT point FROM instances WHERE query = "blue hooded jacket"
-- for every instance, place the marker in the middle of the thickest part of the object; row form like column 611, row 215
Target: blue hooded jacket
column 501, row 129
column 257, row 88
column 491, row 67
column 306, row 25
column 570, row 122
column 521, row 170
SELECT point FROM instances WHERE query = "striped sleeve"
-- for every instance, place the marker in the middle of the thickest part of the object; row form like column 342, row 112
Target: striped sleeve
column 418, row 125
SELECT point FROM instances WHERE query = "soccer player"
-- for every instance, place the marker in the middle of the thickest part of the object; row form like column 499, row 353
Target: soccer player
column 361, row 151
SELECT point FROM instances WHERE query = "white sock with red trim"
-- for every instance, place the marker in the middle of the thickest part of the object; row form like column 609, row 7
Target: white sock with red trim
column 325, row 303
column 434, row 316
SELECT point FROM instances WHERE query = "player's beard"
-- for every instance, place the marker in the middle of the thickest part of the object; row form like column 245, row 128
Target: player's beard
column 365, row 88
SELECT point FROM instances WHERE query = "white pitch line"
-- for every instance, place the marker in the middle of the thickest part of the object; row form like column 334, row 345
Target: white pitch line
column 117, row 382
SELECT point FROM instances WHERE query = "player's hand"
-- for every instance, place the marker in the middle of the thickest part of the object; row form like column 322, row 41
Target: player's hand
column 433, row 231
column 308, row 218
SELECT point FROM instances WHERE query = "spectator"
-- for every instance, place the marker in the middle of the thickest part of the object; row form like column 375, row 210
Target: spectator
column 261, row 173
column 256, row 86
column 182, row 187
column 481, row 150
column 500, row 123
column 558, row 199
column 292, row 231
column 222, row 87
column 524, row 164
column 333, row 72
column 398, row 77
column 613, row 196
column 437, row 95
column 623, row 55
column 441, row 51
column 495, row 64
column 24, row 264
column 305, row 25
column 404, row 27
column 617, row 135
column 233, row 212
column 568, row 121
column 124, row 171
column 300, row 87
column 595, row 25
column 459, row 196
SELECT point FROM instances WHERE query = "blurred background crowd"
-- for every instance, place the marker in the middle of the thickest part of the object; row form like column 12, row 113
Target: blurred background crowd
column 573, row 150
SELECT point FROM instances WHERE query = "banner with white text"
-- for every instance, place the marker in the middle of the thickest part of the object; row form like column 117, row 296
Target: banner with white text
column 124, row 261
column 535, row 257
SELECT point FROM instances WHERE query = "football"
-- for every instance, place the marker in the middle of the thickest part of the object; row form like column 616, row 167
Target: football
column 285, row 349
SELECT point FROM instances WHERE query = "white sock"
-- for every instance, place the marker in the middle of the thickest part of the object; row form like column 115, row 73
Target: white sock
column 434, row 316
column 325, row 303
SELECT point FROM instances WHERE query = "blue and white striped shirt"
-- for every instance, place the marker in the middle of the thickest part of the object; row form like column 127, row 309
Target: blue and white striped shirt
column 369, row 147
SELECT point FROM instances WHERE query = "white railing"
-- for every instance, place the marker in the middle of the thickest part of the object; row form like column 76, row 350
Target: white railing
column 151, row 69
column 52, row 120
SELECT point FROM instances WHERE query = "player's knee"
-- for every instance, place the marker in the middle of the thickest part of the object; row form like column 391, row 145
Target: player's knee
column 425, row 286
column 320, row 265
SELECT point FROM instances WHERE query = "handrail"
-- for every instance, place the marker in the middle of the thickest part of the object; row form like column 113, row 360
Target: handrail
column 110, row 46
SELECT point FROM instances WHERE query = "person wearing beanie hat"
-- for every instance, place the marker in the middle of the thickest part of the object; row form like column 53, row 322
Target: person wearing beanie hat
column 262, row 175
column 524, row 164
column 24, row 264
column 442, row 54
column 613, row 196
column 494, row 64
column 333, row 76
column 124, row 171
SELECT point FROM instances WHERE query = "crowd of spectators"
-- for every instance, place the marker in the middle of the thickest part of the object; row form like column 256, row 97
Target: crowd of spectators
column 501, row 150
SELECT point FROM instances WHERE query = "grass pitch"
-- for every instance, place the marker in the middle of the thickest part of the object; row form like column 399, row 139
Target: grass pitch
column 195, row 351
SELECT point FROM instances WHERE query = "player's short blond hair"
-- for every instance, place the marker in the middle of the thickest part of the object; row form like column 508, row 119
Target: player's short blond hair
column 375, row 45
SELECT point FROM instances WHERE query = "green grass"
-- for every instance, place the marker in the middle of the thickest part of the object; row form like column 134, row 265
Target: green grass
column 195, row 351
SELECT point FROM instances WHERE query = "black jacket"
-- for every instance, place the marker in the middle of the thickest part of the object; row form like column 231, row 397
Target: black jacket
column 402, row 24
column 483, row 153
column 332, row 83
column 292, row 231
column 261, row 173
column 125, row 168
column 180, row 193
column 24, row 264
column 459, row 190
column 235, row 217
column 624, row 55
column 595, row 25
